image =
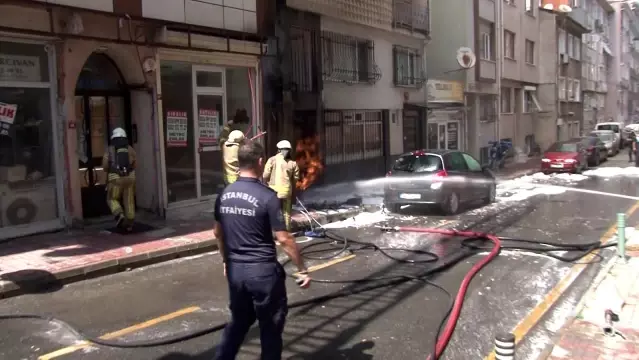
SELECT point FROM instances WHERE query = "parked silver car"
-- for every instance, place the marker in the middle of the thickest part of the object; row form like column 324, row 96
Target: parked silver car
column 608, row 138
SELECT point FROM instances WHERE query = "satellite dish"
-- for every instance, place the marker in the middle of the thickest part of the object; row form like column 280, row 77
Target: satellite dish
column 466, row 58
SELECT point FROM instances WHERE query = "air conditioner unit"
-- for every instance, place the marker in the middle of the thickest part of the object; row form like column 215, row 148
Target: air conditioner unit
column 565, row 59
column 31, row 205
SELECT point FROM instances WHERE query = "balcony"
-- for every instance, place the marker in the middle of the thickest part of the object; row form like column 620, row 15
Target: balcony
column 412, row 15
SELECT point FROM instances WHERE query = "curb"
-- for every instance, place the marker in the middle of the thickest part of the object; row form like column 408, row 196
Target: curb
column 554, row 340
column 39, row 281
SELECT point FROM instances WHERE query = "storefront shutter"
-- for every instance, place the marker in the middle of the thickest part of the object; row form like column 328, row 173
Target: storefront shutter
column 210, row 58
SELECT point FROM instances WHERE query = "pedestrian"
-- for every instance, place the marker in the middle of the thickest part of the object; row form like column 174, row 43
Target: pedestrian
column 120, row 160
column 247, row 213
column 632, row 138
column 282, row 173
column 229, row 155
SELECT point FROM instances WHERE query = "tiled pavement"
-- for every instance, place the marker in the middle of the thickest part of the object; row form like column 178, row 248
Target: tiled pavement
column 31, row 263
column 584, row 338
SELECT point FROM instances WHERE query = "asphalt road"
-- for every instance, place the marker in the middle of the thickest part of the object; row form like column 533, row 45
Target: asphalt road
column 388, row 323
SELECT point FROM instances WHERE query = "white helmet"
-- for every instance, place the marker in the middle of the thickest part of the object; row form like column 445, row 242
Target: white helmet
column 235, row 138
column 284, row 144
column 118, row 133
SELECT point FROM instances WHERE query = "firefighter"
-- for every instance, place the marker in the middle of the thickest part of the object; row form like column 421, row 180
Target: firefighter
column 240, row 122
column 281, row 173
column 229, row 153
column 119, row 161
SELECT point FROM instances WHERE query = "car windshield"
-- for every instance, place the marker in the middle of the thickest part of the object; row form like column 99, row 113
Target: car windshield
column 563, row 147
column 418, row 163
column 612, row 127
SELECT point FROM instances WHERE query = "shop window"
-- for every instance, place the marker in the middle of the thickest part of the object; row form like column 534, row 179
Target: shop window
column 23, row 63
column 179, row 151
column 27, row 171
column 202, row 99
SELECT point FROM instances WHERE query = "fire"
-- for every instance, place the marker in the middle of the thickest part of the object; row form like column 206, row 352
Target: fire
column 309, row 160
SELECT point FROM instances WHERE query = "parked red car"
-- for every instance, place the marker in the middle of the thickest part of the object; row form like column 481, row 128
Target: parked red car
column 565, row 156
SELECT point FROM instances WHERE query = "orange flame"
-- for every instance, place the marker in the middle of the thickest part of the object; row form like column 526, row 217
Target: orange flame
column 309, row 160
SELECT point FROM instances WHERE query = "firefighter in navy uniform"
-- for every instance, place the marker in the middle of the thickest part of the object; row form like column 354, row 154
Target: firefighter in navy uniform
column 119, row 161
column 247, row 213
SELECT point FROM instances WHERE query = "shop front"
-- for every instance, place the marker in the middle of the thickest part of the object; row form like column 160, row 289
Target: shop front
column 446, row 115
column 200, row 93
column 31, row 180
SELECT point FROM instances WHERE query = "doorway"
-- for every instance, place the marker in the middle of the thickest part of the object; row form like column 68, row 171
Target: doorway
column 411, row 130
column 443, row 135
column 102, row 103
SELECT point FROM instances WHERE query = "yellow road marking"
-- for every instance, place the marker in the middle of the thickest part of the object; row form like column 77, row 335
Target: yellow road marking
column 533, row 317
column 328, row 263
column 112, row 335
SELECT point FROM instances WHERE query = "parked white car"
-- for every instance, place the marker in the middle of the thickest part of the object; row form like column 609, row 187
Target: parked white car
column 608, row 138
column 616, row 127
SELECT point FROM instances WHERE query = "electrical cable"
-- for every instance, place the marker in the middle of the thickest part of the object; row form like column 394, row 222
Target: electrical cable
column 472, row 244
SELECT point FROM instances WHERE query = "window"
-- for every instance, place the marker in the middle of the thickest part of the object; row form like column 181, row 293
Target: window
column 487, row 108
column 352, row 135
column 347, row 59
column 486, row 51
column 530, row 52
column 577, row 48
column 455, row 162
column 569, row 89
column 530, row 102
column 576, row 92
column 509, row 44
column 510, row 2
column 530, row 7
column 506, row 101
column 569, row 45
column 473, row 165
column 562, row 41
column 418, row 163
column 561, row 85
column 407, row 66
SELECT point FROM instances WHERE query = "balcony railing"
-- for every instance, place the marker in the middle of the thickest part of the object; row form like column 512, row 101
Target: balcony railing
column 413, row 15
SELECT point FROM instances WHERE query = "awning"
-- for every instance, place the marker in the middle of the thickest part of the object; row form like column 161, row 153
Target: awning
column 607, row 49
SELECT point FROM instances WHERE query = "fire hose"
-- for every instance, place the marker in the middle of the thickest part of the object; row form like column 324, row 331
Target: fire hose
column 473, row 243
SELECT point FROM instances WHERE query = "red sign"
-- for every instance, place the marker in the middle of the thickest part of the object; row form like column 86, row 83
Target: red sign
column 8, row 112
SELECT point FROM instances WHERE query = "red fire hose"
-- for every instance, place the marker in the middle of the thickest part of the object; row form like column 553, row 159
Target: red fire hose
column 461, row 294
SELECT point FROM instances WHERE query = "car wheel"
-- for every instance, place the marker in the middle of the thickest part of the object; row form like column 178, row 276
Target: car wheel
column 394, row 208
column 451, row 205
column 492, row 194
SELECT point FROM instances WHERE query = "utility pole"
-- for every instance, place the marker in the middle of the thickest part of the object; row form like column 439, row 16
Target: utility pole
column 499, row 61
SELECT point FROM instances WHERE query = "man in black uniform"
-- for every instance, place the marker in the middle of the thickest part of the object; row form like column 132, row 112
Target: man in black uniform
column 247, row 213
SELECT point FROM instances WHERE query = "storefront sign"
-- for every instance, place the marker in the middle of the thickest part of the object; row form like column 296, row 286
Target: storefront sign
column 209, row 125
column 177, row 128
column 7, row 116
column 453, row 135
column 19, row 68
column 445, row 91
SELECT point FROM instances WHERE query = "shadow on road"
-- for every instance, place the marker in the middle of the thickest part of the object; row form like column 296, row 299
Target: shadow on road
column 33, row 281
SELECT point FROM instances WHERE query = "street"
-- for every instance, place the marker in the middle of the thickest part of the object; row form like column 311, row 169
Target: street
column 399, row 322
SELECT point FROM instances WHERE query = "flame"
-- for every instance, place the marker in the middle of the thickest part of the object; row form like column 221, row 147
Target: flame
column 309, row 160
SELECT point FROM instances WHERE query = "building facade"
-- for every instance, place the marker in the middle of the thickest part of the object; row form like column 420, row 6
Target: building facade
column 171, row 74
column 373, row 97
column 597, row 59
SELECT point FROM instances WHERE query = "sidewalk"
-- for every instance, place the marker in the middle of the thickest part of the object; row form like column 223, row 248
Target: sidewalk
column 35, row 263
column 616, row 289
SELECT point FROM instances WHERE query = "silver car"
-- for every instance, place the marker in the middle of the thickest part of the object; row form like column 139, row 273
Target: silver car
column 608, row 138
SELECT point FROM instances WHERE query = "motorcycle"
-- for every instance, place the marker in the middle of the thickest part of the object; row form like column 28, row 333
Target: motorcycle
column 498, row 151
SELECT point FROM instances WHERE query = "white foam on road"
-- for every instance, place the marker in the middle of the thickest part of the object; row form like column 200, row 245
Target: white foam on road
column 527, row 186
column 359, row 220
column 610, row 172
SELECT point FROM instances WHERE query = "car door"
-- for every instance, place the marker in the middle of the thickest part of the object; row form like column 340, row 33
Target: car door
column 477, row 178
column 458, row 172
column 602, row 148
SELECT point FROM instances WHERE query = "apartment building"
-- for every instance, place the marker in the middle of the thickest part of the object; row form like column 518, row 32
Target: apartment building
column 633, row 91
column 501, row 90
column 373, row 76
column 624, row 27
column 171, row 73
column 597, row 59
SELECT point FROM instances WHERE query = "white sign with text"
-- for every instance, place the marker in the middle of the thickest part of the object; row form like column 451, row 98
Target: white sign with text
column 19, row 68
